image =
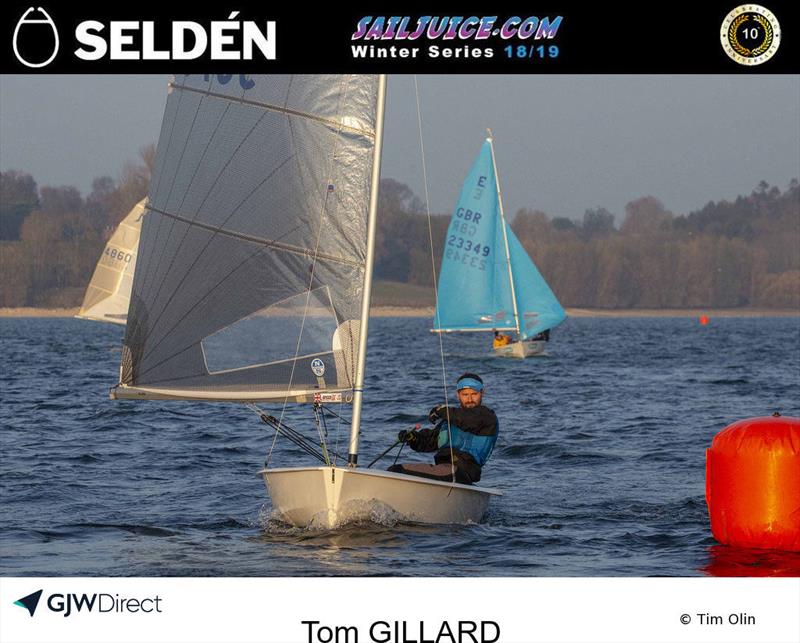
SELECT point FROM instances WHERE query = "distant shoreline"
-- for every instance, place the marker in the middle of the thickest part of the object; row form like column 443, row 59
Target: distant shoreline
column 408, row 311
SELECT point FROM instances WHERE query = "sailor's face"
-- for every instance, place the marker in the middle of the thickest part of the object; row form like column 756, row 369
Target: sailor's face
column 469, row 398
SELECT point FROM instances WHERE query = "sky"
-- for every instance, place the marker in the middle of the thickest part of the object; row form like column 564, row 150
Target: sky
column 563, row 143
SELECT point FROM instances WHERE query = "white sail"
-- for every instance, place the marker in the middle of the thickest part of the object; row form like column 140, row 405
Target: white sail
column 251, row 269
column 109, row 291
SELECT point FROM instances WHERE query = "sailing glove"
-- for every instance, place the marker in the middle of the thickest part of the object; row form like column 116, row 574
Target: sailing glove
column 406, row 436
column 437, row 413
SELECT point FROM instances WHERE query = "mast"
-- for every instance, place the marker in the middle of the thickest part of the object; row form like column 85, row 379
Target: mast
column 358, row 391
column 505, row 235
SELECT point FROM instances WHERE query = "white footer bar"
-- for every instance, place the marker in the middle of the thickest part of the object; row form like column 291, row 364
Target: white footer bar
column 400, row 610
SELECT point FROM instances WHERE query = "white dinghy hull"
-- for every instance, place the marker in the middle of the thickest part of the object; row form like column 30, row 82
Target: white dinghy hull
column 327, row 497
column 521, row 349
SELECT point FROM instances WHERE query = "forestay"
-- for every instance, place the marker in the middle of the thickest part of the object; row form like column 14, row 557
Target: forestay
column 250, row 276
column 109, row 291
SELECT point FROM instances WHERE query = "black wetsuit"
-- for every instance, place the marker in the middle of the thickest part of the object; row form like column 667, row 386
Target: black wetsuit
column 479, row 421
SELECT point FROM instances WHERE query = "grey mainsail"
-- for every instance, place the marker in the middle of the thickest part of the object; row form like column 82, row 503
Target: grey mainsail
column 249, row 280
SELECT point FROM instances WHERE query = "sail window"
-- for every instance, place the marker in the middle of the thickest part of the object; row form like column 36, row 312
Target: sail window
column 301, row 325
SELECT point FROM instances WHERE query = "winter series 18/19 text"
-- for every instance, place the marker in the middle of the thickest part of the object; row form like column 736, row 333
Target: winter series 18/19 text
column 433, row 51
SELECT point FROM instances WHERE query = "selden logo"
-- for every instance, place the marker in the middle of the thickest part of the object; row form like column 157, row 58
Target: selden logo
column 36, row 40
column 68, row 604
column 30, row 601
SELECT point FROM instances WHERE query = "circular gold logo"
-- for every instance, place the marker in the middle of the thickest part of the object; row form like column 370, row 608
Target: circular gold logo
column 750, row 34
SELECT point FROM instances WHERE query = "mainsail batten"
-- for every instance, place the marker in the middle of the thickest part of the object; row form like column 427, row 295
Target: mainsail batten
column 276, row 108
column 259, row 196
column 267, row 243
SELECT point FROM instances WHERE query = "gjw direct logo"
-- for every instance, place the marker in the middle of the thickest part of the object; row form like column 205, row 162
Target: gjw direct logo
column 36, row 40
column 68, row 604
column 30, row 601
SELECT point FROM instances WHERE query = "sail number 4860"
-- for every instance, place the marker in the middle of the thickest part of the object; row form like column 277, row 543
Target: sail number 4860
column 467, row 245
column 118, row 255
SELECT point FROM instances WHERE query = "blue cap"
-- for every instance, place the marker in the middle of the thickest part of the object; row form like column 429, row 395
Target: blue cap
column 469, row 382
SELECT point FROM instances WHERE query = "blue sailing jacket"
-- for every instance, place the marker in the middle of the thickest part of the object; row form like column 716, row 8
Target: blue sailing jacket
column 478, row 446
column 473, row 431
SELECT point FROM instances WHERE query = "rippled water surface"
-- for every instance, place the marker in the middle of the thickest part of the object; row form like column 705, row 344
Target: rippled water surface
column 601, row 456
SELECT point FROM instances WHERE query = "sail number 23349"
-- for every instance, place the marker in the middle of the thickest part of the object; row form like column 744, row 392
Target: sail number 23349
column 467, row 245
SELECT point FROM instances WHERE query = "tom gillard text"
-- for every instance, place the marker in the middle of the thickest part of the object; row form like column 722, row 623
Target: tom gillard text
column 405, row 632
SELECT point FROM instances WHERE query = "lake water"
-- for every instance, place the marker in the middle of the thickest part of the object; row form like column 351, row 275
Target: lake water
column 601, row 456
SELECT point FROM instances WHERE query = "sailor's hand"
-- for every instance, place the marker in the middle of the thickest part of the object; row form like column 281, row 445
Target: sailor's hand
column 406, row 436
column 436, row 413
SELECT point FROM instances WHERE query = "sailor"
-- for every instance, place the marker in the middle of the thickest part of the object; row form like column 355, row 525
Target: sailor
column 500, row 339
column 462, row 450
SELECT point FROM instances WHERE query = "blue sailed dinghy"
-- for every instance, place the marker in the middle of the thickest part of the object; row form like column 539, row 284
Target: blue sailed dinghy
column 487, row 281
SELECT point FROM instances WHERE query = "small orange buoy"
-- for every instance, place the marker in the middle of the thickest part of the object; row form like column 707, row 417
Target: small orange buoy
column 703, row 320
column 753, row 483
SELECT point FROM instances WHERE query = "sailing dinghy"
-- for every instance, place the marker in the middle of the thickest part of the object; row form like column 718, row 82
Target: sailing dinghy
column 109, row 292
column 487, row 281
column 254, row 276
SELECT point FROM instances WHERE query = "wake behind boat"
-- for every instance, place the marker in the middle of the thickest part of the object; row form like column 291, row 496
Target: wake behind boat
column 487, row 282
column 255, row 271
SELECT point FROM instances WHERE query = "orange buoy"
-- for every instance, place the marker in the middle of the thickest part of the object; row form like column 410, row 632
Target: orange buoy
column 703, row 320
column 753, row 483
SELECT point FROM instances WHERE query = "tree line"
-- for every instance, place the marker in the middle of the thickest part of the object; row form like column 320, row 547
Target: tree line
column 728, row 254
column 52, row 237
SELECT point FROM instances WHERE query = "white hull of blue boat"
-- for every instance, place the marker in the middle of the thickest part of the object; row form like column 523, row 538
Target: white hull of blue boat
column 328, row 497
column 521, row 349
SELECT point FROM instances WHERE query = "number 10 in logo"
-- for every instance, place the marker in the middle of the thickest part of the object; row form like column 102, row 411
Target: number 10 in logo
column 750, row 34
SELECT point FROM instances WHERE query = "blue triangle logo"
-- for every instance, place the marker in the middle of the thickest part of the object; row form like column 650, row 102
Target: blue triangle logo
column 30, row 601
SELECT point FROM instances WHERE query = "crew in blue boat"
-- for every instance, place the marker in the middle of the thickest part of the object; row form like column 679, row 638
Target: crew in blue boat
column 465, row 448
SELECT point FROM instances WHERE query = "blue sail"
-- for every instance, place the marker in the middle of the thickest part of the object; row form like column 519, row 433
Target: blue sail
column 537, row 306
column 474, row 287
column 474, row 290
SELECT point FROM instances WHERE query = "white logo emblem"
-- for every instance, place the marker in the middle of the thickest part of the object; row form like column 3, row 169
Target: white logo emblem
column 750, row 34
column 47, row 20
column 318, row 367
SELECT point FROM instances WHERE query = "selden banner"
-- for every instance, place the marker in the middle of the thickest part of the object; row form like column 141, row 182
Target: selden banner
column 547, row 37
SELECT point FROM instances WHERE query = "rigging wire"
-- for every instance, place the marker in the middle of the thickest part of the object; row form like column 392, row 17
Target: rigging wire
column 433, row 272
column 328, row 193
column 339, row 420
column 322, row 431
column 294, row 436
